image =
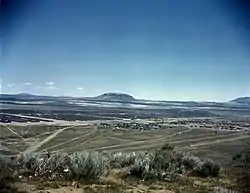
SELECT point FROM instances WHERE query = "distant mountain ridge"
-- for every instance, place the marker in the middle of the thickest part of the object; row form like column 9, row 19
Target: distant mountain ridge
column 242, row 100
column 120, row 97
column 24, row 97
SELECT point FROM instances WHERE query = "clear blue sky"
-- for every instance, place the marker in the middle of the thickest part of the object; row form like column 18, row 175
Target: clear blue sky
column 167, row 50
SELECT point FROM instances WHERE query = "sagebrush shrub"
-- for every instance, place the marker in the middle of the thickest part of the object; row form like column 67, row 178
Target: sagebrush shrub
column 89, row 165
column 5, row 167
column 223, row 190
column 124, row 159
column 162, row 164
column 190, row 162
column 207, row 168
column 141, row 166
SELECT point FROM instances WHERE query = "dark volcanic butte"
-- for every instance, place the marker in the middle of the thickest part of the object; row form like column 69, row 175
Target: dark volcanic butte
column 115, row 97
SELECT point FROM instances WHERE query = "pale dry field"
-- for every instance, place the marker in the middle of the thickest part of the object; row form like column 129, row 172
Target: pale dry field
column 72, row 138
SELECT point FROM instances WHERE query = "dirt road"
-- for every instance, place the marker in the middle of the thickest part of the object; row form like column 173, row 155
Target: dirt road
column 87, row 141
column 63, row 143
column 152, row 144
column 15, row 133
column 141, row 142
column 34, row 147
column 193, row 146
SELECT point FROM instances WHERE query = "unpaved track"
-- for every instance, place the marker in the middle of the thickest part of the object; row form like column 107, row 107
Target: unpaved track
column 215, row 142
column 233, row 137
column 13, row 132
column 34, row 147
column 40, row 135
column 6, row 149
column 206, row 138
column 29, row 117
column 141, row 142
column 118, row 139
column 87, row 141
column 63, row 143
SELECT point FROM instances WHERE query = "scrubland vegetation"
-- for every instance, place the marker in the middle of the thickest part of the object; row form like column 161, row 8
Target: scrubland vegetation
column 164, row 165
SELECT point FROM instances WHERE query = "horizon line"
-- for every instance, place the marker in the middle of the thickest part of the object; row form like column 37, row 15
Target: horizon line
column 24, row 93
